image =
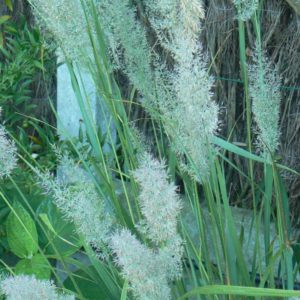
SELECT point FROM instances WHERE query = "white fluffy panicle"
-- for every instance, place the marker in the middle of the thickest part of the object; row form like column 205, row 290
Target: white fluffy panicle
column 167, row 17
column 183, row 94
column 80, row 203
column 141, row 267
column 264, row 91
column 66, row 21
column 192, row 114
column 24, row 287
column 127, row 42
column 245, row 8
column 150, row 269
column 160, row 204
column 8, row 150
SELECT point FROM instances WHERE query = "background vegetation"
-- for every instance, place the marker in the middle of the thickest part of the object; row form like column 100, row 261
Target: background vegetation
column 39, row 236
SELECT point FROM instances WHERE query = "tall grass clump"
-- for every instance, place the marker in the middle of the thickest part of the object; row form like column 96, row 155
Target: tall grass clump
column 141, row 236
column 182, row 95
column 173, row 90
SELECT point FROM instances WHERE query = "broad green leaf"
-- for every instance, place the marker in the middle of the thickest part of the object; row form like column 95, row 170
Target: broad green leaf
column 4, row 212
column 22, row 235
column 37, row 265
column 241, row 291
column 9, row 4
column 59, row 233
column 3, row 19
column 46, row 220
column 88, row 287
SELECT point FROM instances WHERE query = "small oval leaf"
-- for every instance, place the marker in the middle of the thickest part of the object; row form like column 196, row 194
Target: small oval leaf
column 21, row 231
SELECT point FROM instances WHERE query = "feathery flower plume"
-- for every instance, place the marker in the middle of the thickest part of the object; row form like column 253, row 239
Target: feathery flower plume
column 66, row 21
column 183, row 93
column 167, row 18
column 192, row 115
column 160, row 204
column 80, row 203
column 150, row 270
column 24, row 287
column 141, row 267
column 195, row 115
column 194, row 11
column 128, row 36
column 264, row 91
column 8, row 157
column 245, row 8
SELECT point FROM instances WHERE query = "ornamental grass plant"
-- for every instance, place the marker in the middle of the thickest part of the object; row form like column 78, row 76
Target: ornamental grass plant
column 156, row 222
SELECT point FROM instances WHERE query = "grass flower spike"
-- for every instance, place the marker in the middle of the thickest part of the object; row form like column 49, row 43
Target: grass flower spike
column 192, row 116
column 150, row 268
column 141, row 267
column 24, row 287
column 65, row 20
column 8, row 150
column 266, row 97
column 80, row 203
column 175, row 91
column 160, row 204
column 118, row 19
column 245, row 8
column 195, row 113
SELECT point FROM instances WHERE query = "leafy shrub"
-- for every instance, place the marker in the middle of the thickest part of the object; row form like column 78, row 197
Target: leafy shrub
column 25, row 68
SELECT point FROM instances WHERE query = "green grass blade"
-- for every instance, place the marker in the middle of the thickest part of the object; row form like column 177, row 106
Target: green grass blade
column 240, row 291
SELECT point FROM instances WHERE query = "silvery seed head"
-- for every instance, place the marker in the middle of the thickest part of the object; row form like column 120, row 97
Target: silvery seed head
column 141, row 266
column 131, row 51
column 168, row 17
column 265, row 93
column 8, row 157
column 80, row 203
column 245, row 8
column 160, row 204
column 24, row 287
column 181, row 93
column 185, row 98
column 66, row 21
